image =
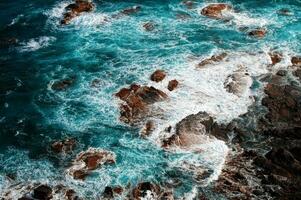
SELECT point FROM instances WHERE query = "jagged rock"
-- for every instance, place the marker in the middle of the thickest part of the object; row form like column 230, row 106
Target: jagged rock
column 75, row 9
column 259, row 33
column 89, row 160
column 158, row 75
column 238, row 82
column 173, row 84
column 213, row 59
column 63, row 146
column 42, row 192
column 215, row 10
column 62, row 84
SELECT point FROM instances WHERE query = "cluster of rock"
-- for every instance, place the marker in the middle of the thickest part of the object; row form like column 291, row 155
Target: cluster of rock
column 75, row 9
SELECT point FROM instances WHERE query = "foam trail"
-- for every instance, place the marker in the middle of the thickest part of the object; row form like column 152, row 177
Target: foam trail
column 36, row 43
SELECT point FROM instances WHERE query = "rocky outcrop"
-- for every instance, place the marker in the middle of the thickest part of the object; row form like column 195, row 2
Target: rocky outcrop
column 215, row 10
column 75, row 9
column 89, row 160
column 275, row 57
column 63, row 146
column 173, row 84
column 192, row 130
column 212, row 60
column 158, row 75
column 137, row 100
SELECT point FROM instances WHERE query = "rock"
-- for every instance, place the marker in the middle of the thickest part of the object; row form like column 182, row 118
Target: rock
column 285, row 12
column 238, row 82
column 158, row 76
column 89, row 160
column 297, row 73
column 132, row 10
column 96, row 83
column 215, row 10
column 281, row 73
column 275, row 58
column 146, row 189
column 173, row 84
column 182, row 16
column 259, row 33
column 124, row 93
column 75, row 9
column 148, row 128
column 108, row 193
column 42, row 192
column 296, row 61
column 189, row 4
column 213, row 59
column 149, row 26
column 62, row 84
column 64, row 146
column 192, row 130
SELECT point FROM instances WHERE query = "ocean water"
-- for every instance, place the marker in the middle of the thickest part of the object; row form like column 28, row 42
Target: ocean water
column 119, row 52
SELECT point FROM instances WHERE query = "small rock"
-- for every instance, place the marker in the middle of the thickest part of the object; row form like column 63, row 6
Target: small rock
column 132, row 10
column 296, row 61
column 275, row 58
column 63, row 146
column 189, row 4
column 285, row 12
column 213, row 59
column 215, row 10
column 149, row 26
column 173, row 84
column 42, row 192
column 158, row 75
column 259, row 33
column 281, row 73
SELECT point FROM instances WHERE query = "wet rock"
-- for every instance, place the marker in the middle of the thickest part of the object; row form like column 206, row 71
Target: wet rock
column 193, row 129
column 297, row 73
column 75, row 9
column 111, row 192
column 281, row 73
column 148, row 128
column 158, row 76
column 213, row 59
column 189, row 4
column 96, row 83
column 259, row 33
column 215, row 10
column 137, row 100
column 42, row 192
column 89, row 160
column 275, row 58
column 62, row 84
column 285, row 12
column 132, row 10
column 149, row 26
column 146, row 190
column 173, row 84
column 296, row 61
column 63, row 146
column 238, row 82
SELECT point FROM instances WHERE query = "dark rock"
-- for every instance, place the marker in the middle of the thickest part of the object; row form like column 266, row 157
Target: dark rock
column 259, row 33
column 149, row 26
column 215, row 10
column 141, row 190
column 296, row 61
column 189, row 4
column 42, row 192
column 108, row 193
column 158, row 76
column 284, row 11
column 96, row 83
column 173, row 84
column 7, row 42
column 62, row 84
column 64, row 146
column 281, row 73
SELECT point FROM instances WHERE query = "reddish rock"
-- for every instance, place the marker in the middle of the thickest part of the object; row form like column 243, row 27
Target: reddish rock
column 62, row 84
column 158, row 75
column 123, row 93
column 148, row 128
column 118, row 190
column 75, row 9
column 259, row 33
column 173, row 84
column 149, row 26
column 296, row 61
column 42, row 192
column 275, row 58
column 215, row 10
column 132, row 10
column 63, row 146
column 213, row 59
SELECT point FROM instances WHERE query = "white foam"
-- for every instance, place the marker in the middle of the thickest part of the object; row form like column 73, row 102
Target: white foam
column 36, row 43
column 90, row 19
column 16, row 19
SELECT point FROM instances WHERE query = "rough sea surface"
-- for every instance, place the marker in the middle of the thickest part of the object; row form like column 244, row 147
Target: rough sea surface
column 103, row 53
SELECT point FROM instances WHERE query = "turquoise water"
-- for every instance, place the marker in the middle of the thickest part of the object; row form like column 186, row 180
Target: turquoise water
column 117, row 52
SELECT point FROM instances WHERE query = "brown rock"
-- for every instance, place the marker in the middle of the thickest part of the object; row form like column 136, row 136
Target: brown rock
column 259, row 33
column 63, row 146
column 173, row 84
column 148, row 128
column 149, row 26
column 213, row 59
column 123, row 93
column 158, row 76
column 275, row 58
column 215, row 10
column 296, row 61
column 76, row 9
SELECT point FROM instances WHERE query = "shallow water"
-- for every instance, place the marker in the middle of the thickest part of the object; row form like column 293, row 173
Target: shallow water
column 118, row 52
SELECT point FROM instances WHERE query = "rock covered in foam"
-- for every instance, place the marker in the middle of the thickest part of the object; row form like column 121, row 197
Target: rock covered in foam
column 131, row 10
column 296, row 61
column 158, row 75
column 275, row 57
column 215, row 10
column 63, row 146
column 75, row 9
column 212, row 60
column 89, row 160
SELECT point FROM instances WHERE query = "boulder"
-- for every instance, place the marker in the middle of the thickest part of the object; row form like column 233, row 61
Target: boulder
column 215, row 10
column 238, row 82
column 42, row 192
column 89, row 160
column 75, row 9
column 296, row 61
column 158, row 75
column 259, row 33
column 173, row 84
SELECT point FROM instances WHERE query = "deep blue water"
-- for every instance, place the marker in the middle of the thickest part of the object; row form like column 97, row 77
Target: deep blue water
column 118, row 52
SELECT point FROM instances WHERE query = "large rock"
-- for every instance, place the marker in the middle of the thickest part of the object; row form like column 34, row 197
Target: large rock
column 89, row 160
column 75, row 9
column 158, row 75
column 215, row 10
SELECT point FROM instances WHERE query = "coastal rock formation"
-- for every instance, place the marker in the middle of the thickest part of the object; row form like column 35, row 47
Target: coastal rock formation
column 213, row 59
column 89, row 160
column 192, row 130
column 112, row 192
column 173, row 84
column 296, row 61
column 238, row 82
column 63, row 146
column 259, row 33
column 215, row 10
column 75, row 9
column 137, row 100
column 158, row 75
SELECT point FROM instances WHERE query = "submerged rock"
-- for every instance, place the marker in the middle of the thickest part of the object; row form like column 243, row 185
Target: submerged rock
column 62, row 84
column 89, row 160
column 296, row 61
column 173, row 84
column 259, row 33
column 158, row 75
column 7, row 42
column 213, row 59
column 285, row 12
column 215, row 10
column 63, row 146
column 131, row 10
column 189, row 4
column 75, row 9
